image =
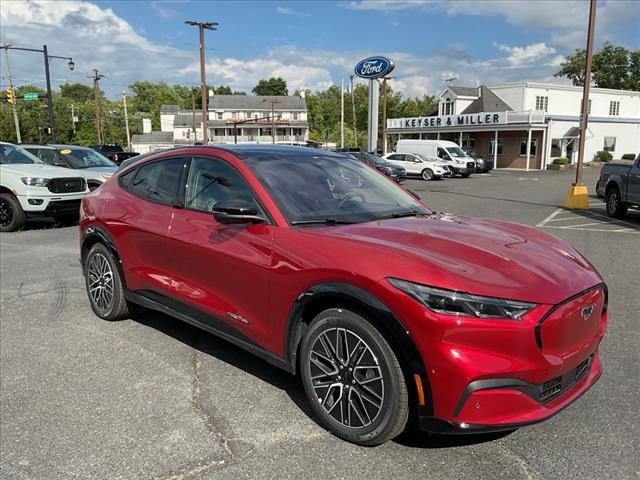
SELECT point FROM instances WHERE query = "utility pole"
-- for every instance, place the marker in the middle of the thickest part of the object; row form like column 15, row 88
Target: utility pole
column 96, row 95
column 126, row 120
column 73, row 119
column 52, row 123
column 193, row 115
column 578, row 195
column 13, row 105
column 202, row 26
column 273, row 119
column 342, row 113
column 353, row 107
column 384, row 114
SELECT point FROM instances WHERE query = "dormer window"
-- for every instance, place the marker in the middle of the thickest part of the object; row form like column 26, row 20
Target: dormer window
column 447, row 107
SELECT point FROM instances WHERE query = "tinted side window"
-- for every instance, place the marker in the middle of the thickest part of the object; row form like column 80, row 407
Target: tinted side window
column 396, row 157
column 158, row 181
column 211, row 181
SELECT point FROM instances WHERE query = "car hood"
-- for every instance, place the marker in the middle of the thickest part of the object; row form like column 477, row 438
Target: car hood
column 478, row 256
column 38, row 170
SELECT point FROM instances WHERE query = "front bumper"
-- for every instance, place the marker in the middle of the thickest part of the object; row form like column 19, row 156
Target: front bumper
column 46, row 206
column 492, row 375
column 462, row 170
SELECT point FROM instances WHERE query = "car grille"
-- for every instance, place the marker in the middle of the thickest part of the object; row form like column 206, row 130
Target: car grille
column 556, row 386
column 67, row 185
column 471, row 165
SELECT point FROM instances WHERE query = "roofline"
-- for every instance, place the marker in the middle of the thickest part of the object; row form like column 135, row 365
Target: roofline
column 564, row 87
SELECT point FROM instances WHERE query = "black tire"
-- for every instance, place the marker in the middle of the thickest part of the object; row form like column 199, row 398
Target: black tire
column 12, row 216
column 615, row 207
column 371, row 412
column 427, row 174
column 465, row 175
column 116, row 307
column 66, row 220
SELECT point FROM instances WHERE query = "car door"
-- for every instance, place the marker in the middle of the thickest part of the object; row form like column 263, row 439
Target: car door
column 400, row 160
column 633, row 189
column 138, row 216
column 222, row 270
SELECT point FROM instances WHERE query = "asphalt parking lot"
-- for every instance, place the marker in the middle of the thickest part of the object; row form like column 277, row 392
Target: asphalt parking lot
column 152, row 397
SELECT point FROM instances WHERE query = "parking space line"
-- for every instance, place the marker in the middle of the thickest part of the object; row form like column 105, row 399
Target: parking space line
column 547, row 219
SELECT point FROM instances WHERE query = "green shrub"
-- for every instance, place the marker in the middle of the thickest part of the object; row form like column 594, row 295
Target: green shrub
column 603, row 156
column 560, row 161
column 629, row 156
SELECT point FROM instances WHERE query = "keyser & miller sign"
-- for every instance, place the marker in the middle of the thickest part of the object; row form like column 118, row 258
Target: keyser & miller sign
column 465, row 120
column 374, row 67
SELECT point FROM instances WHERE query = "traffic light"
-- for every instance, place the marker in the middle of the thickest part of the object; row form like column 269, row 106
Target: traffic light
column 11, row 96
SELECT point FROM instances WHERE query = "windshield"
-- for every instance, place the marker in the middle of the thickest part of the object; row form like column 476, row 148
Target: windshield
column 331, row 189
column 424, row 158
column 85, row 158
column 456, row 152
column 13, row 154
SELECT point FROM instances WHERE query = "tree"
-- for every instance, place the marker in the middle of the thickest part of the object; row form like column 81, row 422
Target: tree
column 76, row 92
column 613, row 67
column 273, row 86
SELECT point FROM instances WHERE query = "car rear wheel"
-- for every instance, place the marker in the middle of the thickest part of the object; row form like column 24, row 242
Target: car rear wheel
column 353, row 379
column 104, row 285
column 615, row 208
column 12, row 216
column 465, row 175
column 427, row 174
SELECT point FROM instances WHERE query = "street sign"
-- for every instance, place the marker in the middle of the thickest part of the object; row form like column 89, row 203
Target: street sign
column 30, row 96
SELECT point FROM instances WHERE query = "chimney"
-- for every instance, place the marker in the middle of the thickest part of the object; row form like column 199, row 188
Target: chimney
column 146, row 125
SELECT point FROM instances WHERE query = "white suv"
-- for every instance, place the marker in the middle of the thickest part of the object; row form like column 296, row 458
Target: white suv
column 31, row 188
column 419, row 165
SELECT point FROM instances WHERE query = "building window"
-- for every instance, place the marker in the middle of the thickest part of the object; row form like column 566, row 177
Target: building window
column 542, row 103
column 588, row 108
column 491, row 141
column 294, row 115
column 614, row 108
column 523, row 146
column 447, row 107
column 556, row 147
column 610, row 143
column 219, row 115
column 249, row 115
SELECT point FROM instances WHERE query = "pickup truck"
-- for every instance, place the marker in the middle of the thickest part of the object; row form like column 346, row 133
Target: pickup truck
column 619, row 184
column 114, row 152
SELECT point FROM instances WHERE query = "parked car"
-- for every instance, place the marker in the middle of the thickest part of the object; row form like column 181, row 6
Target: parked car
column 114, row 152
column 96, row 168
column 386, row 309
column 445, row 151
column 31, row 188
column 418, row 165
column 484, row 163
column 392, row 171
column 619, row 184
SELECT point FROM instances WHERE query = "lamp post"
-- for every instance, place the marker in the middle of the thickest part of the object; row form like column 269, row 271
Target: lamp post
column 202, row 26
column 44, row 51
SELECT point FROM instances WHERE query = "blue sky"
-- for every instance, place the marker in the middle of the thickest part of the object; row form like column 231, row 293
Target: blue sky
column 311, row 44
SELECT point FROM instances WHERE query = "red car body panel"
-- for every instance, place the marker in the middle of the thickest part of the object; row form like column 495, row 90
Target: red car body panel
column 251, row 277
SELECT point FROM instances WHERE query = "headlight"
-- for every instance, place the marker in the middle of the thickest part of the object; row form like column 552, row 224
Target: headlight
column 35, row 181
column 458, row 303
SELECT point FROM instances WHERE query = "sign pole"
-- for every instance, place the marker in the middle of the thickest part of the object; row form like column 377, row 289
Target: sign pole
column 16, row 122
column 374, row 94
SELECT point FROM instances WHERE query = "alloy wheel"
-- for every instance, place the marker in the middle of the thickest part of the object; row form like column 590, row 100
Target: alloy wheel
column 6, row 213
column 100, row 281
column 612, row 202
column 346, row 378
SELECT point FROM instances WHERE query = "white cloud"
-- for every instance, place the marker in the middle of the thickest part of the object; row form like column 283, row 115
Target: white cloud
column 531, row 53
column 290, row 11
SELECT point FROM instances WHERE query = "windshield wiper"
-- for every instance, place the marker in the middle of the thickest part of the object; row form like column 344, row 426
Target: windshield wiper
column 408, row 213
column 322, row 221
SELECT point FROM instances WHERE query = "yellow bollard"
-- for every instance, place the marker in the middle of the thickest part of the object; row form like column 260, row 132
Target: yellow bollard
column 577, row 197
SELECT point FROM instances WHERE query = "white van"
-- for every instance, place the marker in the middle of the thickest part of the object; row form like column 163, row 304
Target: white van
column 447, row 152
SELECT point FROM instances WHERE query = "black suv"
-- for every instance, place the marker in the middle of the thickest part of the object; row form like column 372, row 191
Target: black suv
column 389, row 169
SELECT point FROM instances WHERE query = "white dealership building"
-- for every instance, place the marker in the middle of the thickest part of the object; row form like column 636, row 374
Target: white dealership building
column 530, row 123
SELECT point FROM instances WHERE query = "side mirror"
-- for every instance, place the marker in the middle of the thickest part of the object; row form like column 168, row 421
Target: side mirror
column 236, row 211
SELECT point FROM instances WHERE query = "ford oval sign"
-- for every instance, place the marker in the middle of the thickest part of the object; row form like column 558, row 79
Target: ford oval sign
column 374, row 67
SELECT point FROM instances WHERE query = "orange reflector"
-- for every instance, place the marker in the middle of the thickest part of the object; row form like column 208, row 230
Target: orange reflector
column 419, row 389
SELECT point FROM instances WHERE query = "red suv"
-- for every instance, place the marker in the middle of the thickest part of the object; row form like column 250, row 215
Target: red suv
column 322, row 266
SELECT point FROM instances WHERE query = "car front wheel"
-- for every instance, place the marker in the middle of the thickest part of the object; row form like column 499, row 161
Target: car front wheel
column 353, row 379
column 12, row 216
column 615, row 208
column 427, row 174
